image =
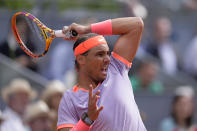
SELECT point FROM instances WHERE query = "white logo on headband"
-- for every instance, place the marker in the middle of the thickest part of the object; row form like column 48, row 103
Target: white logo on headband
column 101, row 40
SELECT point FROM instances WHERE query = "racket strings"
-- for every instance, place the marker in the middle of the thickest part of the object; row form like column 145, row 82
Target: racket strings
column 31, row 34
column 34, row 27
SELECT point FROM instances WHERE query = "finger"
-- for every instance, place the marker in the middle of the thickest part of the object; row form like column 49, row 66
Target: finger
column 95, row 97
column 73, row 26
column 95, row 101
column 97, row 93
column 69, row 38
column 100, row 109
column 90, row 91
column 65, row 38
column 65, row 29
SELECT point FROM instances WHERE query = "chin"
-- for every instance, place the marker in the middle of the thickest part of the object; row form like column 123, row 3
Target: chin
column 103, row 78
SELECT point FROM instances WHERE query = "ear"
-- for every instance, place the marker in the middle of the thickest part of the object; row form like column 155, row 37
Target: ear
column 81, row 60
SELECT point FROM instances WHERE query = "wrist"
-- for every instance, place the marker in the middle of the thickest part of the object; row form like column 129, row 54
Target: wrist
column 87, row 29
column 86, row 119
column 102, row 28
column 81, row 126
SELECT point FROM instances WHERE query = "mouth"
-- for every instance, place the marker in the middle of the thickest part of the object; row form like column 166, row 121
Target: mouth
column 104, row 70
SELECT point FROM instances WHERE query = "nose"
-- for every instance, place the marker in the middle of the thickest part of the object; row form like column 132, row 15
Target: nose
column 107, row 59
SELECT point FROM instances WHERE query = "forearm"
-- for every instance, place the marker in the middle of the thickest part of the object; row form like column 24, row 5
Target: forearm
column 120, row 26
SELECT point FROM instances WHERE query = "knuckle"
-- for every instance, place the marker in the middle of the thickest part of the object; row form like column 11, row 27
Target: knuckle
column 74, row 23
column 65, row 28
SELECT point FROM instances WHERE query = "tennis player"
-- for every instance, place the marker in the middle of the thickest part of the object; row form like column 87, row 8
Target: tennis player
column 103, row 98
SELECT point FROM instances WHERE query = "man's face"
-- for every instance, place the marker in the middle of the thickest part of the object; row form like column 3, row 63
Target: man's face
column 41, row 123
column 184, row 107
column 19, row 101
column 96, row 62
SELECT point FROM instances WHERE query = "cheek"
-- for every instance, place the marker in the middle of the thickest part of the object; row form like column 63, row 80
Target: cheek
column 22, row 101
column 37, row 124
column 94, row 65
column 188, row 108
column 42, row 123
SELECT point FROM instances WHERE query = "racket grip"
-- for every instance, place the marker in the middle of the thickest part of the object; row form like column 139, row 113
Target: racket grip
column 58, row 33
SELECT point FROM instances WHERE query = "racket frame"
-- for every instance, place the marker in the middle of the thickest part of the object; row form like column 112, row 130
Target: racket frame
column 45, row 30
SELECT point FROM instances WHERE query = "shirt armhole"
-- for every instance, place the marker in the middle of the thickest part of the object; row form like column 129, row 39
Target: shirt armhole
column 123, row 60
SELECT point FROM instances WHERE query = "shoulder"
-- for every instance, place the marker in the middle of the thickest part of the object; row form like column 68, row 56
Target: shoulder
column 73, row 97
column 9, row 114
column 157, row 87
column 67, row 95
column 118, row 63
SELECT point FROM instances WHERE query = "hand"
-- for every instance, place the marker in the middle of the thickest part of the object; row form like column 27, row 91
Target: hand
column 80, row 29
column 93, row 110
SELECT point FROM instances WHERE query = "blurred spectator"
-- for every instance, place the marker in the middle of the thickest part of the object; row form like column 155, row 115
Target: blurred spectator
column 190, row 63
column 53, row 93
column 52, row 96
column 161, row 46
column 134, row 8
column 191, row 4
column 10, row 48
column 38, row 117
column 181, row 117
column 145, row 78
column 17, row 96
column 62, row 63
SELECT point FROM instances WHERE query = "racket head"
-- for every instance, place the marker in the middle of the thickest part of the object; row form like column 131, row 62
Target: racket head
column 40, row 34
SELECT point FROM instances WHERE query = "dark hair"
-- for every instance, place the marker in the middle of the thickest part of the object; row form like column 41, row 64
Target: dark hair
column 188, row 120
column 79, row 41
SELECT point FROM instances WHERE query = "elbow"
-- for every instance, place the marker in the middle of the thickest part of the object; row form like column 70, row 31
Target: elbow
column 140, row 24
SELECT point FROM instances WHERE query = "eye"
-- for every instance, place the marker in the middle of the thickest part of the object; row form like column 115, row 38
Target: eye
column 100, row 54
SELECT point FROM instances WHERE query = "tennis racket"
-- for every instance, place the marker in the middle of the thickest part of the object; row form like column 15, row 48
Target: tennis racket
column 33, row 36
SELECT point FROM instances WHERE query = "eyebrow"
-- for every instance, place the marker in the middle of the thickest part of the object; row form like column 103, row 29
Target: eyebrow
column 102, row 51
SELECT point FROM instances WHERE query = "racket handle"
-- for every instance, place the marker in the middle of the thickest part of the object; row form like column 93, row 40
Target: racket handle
column 58, row 33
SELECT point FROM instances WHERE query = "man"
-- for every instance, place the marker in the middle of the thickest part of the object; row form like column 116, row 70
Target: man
column 17, row 95
column 162, row 47
column 145, row 79
column 112, row 106
column 52, row 95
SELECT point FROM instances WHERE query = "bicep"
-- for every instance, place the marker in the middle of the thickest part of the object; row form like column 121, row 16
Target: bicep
column 128, row 42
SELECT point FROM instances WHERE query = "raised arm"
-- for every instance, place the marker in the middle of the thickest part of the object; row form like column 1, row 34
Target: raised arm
column 129, row 28
column 130, row 31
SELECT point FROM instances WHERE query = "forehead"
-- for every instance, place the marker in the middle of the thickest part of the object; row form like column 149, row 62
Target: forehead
column 21, row 93
column 98, row 48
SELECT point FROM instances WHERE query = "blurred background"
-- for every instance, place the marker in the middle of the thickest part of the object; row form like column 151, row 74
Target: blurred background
column 165, row 65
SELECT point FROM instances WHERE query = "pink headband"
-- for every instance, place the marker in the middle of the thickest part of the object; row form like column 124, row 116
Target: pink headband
column 88, row 44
